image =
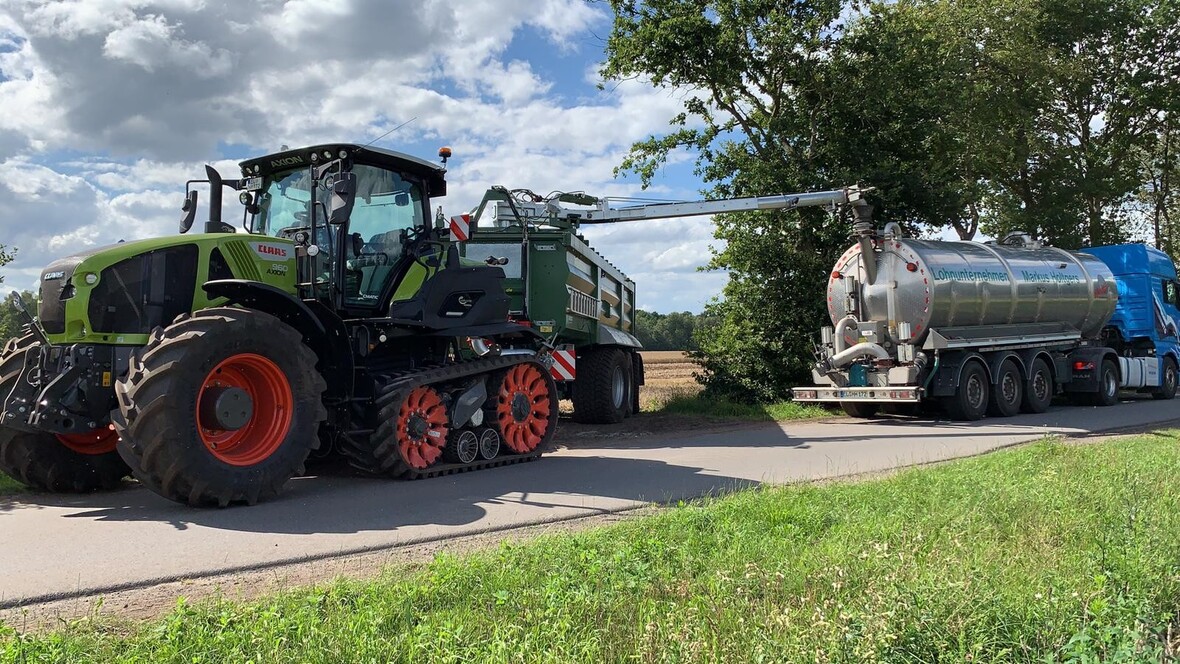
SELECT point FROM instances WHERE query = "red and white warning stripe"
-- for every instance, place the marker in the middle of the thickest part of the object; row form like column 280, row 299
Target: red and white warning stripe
column 461, row 227
column 564, row 365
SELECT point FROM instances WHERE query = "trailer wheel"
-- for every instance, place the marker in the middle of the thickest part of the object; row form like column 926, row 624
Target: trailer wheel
column 602, row 389
column 1108, row 386
column 1006, row 398
column 221, row 406
column 1167, row 389
column 68, row 463
column 971, row 397
column 1038, row 391
column 859, row 409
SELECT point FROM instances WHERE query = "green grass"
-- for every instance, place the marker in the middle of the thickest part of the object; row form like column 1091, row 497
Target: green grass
column 1050, row 552
column 697, row 405
column 10, row 486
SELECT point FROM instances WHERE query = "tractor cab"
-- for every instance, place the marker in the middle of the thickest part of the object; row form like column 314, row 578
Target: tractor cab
column 359, row 218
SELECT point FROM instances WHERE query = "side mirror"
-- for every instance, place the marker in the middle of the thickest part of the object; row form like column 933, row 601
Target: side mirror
column 342, row 199
column 190, row 212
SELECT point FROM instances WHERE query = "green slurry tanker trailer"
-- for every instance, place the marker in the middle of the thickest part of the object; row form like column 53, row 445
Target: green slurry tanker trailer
column 582, row 304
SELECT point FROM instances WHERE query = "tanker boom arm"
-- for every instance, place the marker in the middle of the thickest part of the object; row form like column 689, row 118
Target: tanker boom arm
column 523, row 204
column 602, row 213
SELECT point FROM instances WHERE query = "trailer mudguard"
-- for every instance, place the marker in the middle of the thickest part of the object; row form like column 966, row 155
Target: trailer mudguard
column 322, row 330
column 609, row 336
column 995, row 360
column 950, row 369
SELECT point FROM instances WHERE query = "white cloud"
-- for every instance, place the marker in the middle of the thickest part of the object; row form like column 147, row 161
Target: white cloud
column 110, row 105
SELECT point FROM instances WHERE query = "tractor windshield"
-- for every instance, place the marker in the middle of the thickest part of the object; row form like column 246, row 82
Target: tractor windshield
column 284, row 202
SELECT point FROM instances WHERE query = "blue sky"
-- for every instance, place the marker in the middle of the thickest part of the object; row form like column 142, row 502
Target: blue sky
column 110, row 105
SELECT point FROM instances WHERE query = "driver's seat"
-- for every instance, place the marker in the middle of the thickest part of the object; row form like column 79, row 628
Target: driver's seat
column 373, row 275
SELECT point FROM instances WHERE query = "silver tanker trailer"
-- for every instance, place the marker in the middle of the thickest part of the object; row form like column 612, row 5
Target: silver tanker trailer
column 985, row 328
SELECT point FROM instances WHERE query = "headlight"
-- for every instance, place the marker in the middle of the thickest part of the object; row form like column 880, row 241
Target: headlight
column 90, row 278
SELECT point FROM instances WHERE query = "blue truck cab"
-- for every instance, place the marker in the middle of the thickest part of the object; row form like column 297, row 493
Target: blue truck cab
column 1146, row 319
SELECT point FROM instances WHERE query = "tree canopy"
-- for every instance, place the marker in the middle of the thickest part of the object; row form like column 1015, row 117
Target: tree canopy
column 1048, row 116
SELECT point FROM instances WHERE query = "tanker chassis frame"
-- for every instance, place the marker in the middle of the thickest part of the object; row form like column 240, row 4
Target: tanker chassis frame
column 969, row 363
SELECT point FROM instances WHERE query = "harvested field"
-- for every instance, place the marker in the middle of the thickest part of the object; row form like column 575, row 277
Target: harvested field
column 667, row 374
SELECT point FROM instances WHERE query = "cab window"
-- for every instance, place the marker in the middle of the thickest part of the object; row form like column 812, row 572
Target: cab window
column 387, row 206
column 1171, row 294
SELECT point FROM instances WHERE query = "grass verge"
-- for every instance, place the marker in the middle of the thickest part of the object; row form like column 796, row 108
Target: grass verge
column 9, row 486
column 1051, row 552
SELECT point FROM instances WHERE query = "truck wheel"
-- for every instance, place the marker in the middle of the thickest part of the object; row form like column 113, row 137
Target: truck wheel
column 67, row 463
column 601, row 391
column 1038, row 391
column 971, row 397
column 222, row 406
column 1007, row 396
column 859, row 409
column 1108, row 386
column 1167, row 389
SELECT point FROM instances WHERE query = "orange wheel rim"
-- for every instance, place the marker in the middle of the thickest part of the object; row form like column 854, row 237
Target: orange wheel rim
column 269, row 421
column 422, row 427
column 523, row 408
column 99, row 441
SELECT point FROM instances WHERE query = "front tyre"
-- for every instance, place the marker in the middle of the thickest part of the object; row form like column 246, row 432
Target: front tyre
column 66, row 463
column 220, row 407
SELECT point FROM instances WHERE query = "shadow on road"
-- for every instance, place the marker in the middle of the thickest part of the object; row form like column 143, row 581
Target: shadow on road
column 336, row 502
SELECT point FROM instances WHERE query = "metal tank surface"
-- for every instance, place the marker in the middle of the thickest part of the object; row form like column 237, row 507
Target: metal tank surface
column 939, row 284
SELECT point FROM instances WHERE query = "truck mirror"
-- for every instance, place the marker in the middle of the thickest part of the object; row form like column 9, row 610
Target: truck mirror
column 342, row 199
column 190, row 212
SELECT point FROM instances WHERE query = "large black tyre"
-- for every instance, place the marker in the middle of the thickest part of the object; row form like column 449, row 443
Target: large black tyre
column 71, row 464
column 602, row 388
column 1167, row 388
column 1108, row 386
column 859, row 409
column 1038, row 390
column 970, row 400
column 1008, row 394
column 169, row 408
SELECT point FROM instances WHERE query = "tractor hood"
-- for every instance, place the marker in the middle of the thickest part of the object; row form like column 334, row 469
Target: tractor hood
column 114, row 282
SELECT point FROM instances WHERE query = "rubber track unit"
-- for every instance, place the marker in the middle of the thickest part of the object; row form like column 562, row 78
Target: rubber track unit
column 382, row 457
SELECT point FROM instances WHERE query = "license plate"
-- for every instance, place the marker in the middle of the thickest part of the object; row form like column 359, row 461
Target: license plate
column 855, row 394
column 253, row 184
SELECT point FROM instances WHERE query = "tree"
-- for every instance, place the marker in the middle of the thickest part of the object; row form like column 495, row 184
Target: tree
column 974, row 114
column 674, row 331
column 751, row 74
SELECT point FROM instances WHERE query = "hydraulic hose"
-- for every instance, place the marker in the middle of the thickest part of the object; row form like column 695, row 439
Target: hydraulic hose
column 846, row 357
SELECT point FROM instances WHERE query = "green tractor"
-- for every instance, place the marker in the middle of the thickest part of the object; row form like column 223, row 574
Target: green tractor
column 211, row 366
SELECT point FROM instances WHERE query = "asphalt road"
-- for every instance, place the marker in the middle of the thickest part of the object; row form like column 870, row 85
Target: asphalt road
column 53, row 547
